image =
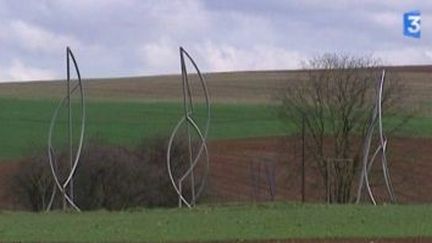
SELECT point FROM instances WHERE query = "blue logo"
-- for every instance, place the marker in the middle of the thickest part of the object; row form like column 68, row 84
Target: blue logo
column 411, row 24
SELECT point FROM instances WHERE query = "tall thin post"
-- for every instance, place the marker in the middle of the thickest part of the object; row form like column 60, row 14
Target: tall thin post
column 303, row 160
column 327, row 180
column 191, row 124
column 65, row 186
column 69, row 122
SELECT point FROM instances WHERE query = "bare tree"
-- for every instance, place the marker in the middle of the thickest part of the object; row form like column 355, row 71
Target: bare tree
column 334, row 105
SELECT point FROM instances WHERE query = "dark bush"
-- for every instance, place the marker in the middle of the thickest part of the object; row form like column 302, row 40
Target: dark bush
column 161, row 191
column 108, row 176
column 33, row 184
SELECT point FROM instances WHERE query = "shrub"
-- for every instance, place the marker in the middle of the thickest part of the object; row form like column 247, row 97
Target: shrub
column 109, row 176
column 33, row 182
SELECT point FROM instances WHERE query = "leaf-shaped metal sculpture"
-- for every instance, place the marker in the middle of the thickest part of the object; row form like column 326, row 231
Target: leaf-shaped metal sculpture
column 191, row 124
column 367, row 161
column 66, row 186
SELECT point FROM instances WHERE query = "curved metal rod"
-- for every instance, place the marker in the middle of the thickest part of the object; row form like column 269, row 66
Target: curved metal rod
column 188, row 110
column 187, row 117
column 83, row 119
column 74, row 159
column 205, row 149
column 370, row 161
column 186, row 87
column 205, row 89
column 168, row 157
column 191, row 122
column 366, row 151
column 206, row 94
column 382, row 147
column 386, row 173
column 367, row 183
column 52, row 161
column 51, row 155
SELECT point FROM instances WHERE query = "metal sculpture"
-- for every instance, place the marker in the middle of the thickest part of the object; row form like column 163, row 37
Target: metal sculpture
column 367, row 161
column 188, row 119
column 66, row 186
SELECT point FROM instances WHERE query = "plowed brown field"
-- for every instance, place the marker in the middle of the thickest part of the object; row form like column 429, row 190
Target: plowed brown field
column 243, row 170
column 243, row 86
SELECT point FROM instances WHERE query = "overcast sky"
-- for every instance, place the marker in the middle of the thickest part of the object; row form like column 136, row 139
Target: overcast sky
column 141, row 37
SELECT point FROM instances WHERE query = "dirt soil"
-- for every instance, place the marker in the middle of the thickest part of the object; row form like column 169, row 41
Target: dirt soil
column 246, row 169
column 242, row 86
column 264, row 169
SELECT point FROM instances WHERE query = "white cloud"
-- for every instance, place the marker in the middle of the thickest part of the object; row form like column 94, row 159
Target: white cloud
column 179, row 16
column 388, row 19
column 406, row 56
column 134, row 37
column 85, row 5
column 18, row 71
column 163, row 56
column 159, row 57
column 230, row 58
column 35, row 38
column 218, row 41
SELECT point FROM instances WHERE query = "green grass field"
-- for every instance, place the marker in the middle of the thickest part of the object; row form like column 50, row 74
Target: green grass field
column 126, row 111
column 263, row 221
column 25, row 123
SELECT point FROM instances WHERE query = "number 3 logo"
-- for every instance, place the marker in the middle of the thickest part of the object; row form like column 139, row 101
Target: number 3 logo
column 412, row 21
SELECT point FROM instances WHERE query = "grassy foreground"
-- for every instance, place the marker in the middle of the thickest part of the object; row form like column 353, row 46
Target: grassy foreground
column 265, row 221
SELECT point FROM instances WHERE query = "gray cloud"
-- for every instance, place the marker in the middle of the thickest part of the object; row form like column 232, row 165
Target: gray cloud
column 133, row 37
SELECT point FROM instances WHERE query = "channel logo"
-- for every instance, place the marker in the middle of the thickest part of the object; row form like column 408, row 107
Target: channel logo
column 412, row 24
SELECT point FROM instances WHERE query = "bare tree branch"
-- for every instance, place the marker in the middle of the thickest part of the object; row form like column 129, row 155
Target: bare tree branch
column 335, row 103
